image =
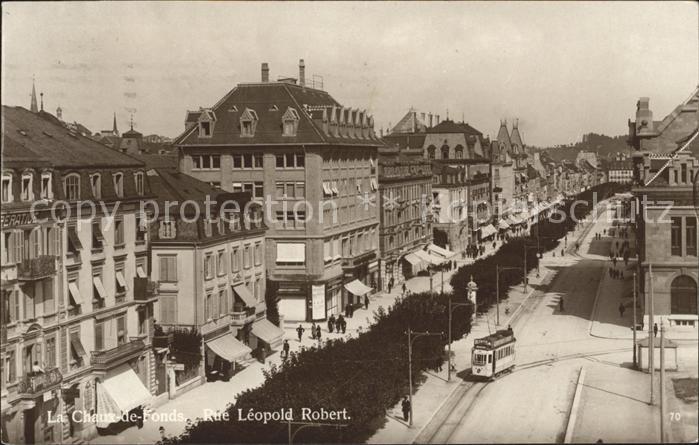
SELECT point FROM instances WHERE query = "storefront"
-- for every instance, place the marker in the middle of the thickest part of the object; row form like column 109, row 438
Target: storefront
column 119, row 393
column 222, row 352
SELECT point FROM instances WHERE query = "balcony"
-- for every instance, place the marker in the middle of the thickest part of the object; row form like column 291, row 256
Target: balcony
column 103, row 360
column 350, row 262
column 241, row 315
column 32, row 386
column 163, row 341
column 37, row 268
column 145, row 289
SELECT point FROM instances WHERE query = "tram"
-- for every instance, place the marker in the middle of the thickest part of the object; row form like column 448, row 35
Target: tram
column 493, row 355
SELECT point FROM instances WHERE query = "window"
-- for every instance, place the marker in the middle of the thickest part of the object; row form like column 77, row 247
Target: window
column 258, row 254
column 204, row 129
column 206, row 162
column 138, row 178
column 46, row 186
column 290, row 121
column 121, row 330
column 74, row 293
column 119, row 184
column 221, row 266
column 6, row 188
column 248, row 123
column 208, row 307
column 676, row 236
column 50, row 352
column 26, row 193
column 142, row 321
column 209, row 266
column 118, row 232
column 96, row 185
column 120, row 279
column 97, row 237
column 235, row 260
column 222, row 302
column 258, row 190
column 71, row 187
column 168, row 268
column 99, row 294
column 290, row 160
column 247, row 259
column 691, row 235
column 99, row 335
column 10, row 366
column 683, row 168
column 257, row 160
column 168, row 309
column 167, row 229
column 141, row 228
column 77, row 352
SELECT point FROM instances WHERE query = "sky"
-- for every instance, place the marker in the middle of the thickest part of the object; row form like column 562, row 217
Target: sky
column 562, row 68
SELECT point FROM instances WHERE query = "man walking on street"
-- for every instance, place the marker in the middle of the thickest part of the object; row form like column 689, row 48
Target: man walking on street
column 338, row 323
column 300, row 330
column 621, row 309
column 366, row 301
column 560, row 303
column 343, row 324
column 318, row 333
column 655, row 329
column 404, row 288
column 406, row 408
column 331, row 323
column 313, row 330
column 285, row 350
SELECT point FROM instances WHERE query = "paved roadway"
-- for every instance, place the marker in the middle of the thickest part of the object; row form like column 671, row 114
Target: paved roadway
column 532, row 403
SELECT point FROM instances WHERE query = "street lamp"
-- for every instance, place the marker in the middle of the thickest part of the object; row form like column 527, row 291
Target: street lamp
column 412, row 336
column 499, row 269
column 453, row 306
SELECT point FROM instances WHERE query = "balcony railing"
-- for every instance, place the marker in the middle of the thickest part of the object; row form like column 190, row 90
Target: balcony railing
column 101, row 359
column 163, row 341
column 37, row 268
column 145, row 289
column 240, row 314
column 34, row 384
column 358, row 259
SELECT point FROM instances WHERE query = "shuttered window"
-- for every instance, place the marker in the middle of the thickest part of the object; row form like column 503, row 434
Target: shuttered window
column 168, row 268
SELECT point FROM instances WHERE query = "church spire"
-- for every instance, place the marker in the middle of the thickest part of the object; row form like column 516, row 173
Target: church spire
column 114, row 126
column 33, row 107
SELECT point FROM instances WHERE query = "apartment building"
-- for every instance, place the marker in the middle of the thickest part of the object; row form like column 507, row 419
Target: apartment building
column 314, row 161
column 77, row 304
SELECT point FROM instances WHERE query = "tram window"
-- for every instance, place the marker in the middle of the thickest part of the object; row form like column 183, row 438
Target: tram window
column 490, row 358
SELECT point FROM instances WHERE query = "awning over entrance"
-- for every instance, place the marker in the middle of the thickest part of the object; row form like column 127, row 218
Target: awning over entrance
column 267, row 332
column 428, row 258
column 440, row 251
column 487, row 231
column 357, row 288
column 242, row 291
column 502, row 225
column 228, row 347
column 413, row 259
column 121, row 392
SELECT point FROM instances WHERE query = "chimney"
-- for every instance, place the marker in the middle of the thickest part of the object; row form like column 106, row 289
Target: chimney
column 430, row 116
column 436, row 118
column 265, row 72
column 302, row 73
column 422, row 117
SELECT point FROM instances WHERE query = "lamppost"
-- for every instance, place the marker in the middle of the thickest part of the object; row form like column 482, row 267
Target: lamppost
column 453, row 306
column 412, row 336
column 499, row 269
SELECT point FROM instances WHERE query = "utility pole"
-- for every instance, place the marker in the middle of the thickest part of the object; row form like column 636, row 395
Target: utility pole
column 635, row 363
column 651, row 336
column 497, row 294
column 524, row 272
column 452, row 306
column 411, row 339
column 662, row 382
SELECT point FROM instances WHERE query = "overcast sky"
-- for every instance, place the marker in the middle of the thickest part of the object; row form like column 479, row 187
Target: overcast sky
column 564, row 69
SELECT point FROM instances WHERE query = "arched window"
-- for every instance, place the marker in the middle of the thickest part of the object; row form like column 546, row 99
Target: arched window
column 445, row 151
column 71, row 187
column 119, row 184
column 683, row 294
column 96, row 185
column 138, row 178
column 431, row 151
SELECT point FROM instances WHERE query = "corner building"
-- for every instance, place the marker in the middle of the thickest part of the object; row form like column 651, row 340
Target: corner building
column 313, row 163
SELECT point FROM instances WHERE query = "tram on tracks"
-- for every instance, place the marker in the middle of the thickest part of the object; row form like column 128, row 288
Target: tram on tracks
column 493, row 355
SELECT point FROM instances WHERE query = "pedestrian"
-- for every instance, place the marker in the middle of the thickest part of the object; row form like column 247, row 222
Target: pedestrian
column 338, row 323
column 560, row 304
column 300, row 330
column 161, row 430
column 621, row 309
column 390, row 285
column 348, row 306
column 404, row 288
column 563, row 252
column 655, row 329
column 313, row 330
column 438, row 364
column 406, row 408
column 366, row 301
column 344, row 326
column 621, row 274
column 331, row 323
column 318, row 332
column 285, row 349
column 351, row 310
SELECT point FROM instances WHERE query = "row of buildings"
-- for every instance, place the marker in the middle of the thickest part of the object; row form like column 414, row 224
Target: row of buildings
column 277, row 193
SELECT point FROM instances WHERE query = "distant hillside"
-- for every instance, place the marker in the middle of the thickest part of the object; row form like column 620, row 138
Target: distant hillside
column 605, row 147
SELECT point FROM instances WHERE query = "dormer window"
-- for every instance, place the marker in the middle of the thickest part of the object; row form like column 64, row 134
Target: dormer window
column 206, row 123
column 167, row 229
column 119, row 184
column 6, row 188
column 204, row 129
column 96, row 184
column 248, row 123
column 46, row 186
column 290, row 122
column 138, row 179
column 27, row 193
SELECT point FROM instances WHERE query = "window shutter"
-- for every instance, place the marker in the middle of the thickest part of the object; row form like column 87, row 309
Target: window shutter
column 163, row 269
column 19, row 246
column 172, row 269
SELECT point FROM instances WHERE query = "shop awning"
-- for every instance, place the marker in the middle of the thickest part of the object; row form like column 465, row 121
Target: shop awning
column 97, row 282
column 242, row 291
column 228, row 347
column 140, row 272
column 413, row 259
column 266, row 331
column 429, row 259
column 502, row 225
column 122, row 391
column 487, row 231
column 357, row 288
column 440, row 251
column 121, row 280
column 74, row 293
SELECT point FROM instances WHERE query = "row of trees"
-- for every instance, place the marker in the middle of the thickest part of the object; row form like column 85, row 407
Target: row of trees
column 368, row 374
